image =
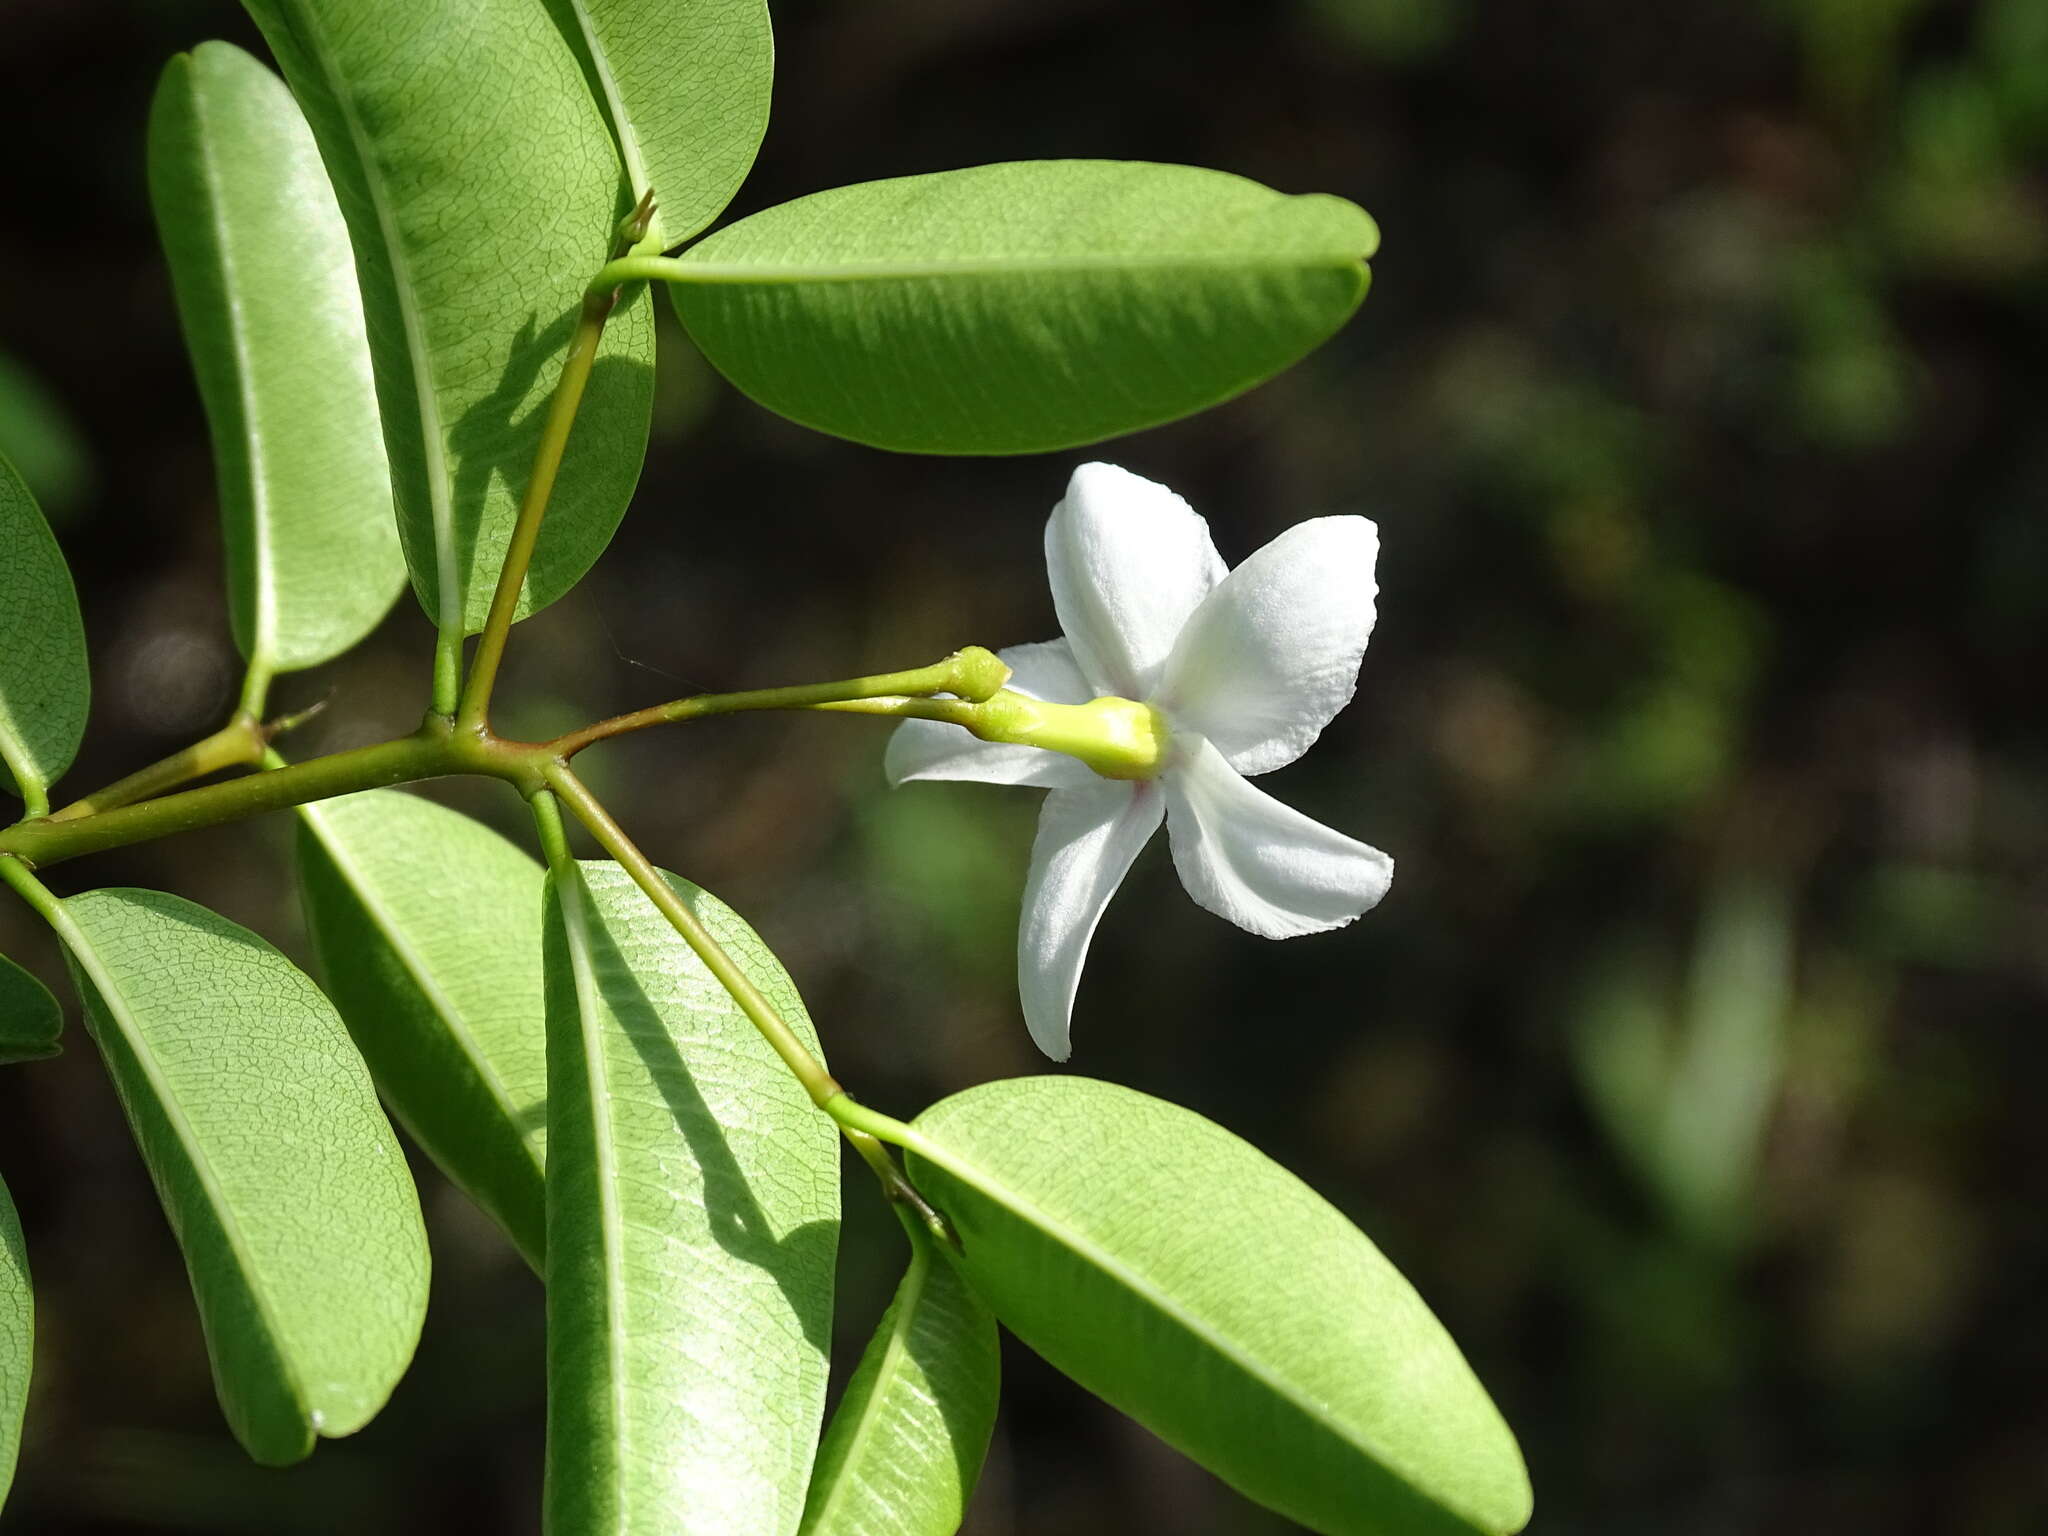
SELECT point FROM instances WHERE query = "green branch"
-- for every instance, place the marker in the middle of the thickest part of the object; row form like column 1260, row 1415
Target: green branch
column 857, row 1124
column 135, row 810
column 432, row 753
column 973, row 673
column 584, row 806
column 474, row 711
column 475, row 708
column 240, row 743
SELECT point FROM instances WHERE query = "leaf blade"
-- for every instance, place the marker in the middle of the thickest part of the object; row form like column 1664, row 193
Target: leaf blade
column 266, row 292
column 481, row 188
column 428, row 928
column 45, row 688
column 300, row 1225
column 905, row 1446
column 30, row 1020
column 680, row 1399
column 17, row 1337
column 687, row 88
column 1176, row 1272
column 1024, row 306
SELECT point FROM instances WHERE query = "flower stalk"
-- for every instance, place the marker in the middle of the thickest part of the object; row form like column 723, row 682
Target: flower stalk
column 856, row 1124
column 974, row 674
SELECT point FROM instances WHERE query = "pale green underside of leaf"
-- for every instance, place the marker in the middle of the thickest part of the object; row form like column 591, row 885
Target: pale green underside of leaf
column 428, row 927
column 44, row 685
column 906, row 1443
column 1178, row 1273
column 30, row 1020
column 1022, row 307
column 266, row 289
column 686, row 83
column 481, row 190
column 284, row 1184
column 17, row 1337
column 693, row 1217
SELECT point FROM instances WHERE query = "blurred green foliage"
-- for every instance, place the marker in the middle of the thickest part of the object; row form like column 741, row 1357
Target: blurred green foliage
column 38, row 438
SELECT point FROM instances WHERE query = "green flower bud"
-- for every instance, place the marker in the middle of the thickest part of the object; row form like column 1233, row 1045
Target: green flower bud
column 1118, row 738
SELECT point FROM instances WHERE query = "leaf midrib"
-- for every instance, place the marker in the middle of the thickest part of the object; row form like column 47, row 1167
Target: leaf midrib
column 418, row 353
column 1085, row 1248
column 894, row 1353
column 120, row 1011
column 727, row 273
column 577, row 909
column 623, row 132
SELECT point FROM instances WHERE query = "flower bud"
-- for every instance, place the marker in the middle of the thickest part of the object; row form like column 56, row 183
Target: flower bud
column 978, row 674
column 1118, row 738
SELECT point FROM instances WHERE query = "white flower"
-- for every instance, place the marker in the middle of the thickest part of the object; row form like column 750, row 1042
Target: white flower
column 1244, row 668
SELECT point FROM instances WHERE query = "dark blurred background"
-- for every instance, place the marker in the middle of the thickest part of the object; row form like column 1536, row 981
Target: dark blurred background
column 1693, row 1068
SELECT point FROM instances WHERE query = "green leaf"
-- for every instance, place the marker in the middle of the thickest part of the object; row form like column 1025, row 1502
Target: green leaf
column 266, row 289
column 1022, row 307
column 44, row 685
column 428, row 927
column 686, row 83
column 30, row 1020
column 693, row 1215
column 1189, row 1280
column 905, row 1446
column 482, row 192
column 282, row 1181
column 17, row 1338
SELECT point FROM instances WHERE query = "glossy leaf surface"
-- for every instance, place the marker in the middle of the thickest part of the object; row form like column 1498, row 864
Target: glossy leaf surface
column 906, row 1443
column 284, row 1184
column 266, row 288
column 693, row 1218
column 1183, row 1276
column 1022, row 307
column 17, row 1337
column 30, row 1020
column 686, row 84
column 482, row 191
column 428, row 926
column 44, row 685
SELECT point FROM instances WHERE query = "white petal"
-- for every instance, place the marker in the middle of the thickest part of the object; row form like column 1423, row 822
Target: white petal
column 1046, row 670
column 1129, row 561
column 1272, row 654
column 1087, row 838
column 1264, row 865
column 931, row 749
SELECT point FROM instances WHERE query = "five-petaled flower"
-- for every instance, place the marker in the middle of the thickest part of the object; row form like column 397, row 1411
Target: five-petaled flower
column 1192, row 676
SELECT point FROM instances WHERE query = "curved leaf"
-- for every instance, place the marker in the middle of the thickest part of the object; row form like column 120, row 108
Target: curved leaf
column 428, row 928
column 693, row 1215
column 1191, row 1281
column 17, row 1337
column 30, row 1020
column 44, row 685
column 282, row 1181
column 266, row 289
column 481, row 191
column 1021, row 307
column 686, row 83
column 905, row 1446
